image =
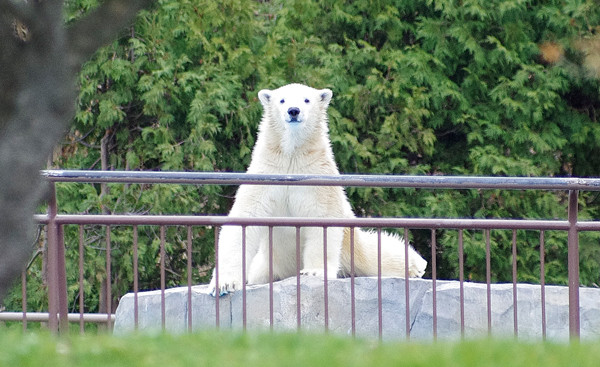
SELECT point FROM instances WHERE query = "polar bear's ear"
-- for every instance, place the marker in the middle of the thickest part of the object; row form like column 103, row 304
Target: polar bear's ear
column 265, row 96
column 325, row 96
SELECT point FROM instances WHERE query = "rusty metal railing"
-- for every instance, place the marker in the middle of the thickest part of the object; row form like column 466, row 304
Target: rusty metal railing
column 58, row 315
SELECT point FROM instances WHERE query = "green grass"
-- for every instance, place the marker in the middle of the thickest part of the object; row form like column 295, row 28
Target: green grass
column 248, row 350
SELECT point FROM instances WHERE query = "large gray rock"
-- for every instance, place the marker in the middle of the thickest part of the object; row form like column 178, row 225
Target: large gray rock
column 312, row 306
column 393, row 310
column 529, row 312
column 176, row 311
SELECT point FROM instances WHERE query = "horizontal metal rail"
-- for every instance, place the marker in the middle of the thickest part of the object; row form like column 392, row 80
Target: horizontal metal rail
column 98, row 318
column 420, row 223
column 229, row 178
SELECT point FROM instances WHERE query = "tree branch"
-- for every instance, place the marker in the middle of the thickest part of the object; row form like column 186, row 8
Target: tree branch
column 100, row 27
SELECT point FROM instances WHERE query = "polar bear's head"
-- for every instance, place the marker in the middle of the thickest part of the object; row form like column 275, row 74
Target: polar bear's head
column 296, row 104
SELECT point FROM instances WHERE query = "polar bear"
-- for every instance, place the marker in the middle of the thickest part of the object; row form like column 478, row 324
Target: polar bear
column 293, row 138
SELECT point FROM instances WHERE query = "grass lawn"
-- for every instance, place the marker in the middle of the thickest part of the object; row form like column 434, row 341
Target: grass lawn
column 212, row 348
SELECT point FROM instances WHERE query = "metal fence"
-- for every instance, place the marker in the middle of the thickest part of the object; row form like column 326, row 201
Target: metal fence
column 58, row 316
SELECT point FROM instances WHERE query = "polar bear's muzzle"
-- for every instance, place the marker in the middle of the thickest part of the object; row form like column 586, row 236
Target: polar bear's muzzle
column 293, row 113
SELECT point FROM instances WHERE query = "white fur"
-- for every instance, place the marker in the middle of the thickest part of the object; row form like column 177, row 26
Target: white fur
column 298, row 143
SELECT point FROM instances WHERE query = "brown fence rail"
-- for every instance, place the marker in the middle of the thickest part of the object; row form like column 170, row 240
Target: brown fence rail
column 58, row 316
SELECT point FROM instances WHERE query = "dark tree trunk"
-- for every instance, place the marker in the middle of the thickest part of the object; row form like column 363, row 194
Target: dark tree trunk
column 39, row 63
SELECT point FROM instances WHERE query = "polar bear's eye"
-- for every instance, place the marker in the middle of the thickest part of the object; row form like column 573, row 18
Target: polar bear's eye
column 307, row 101
column 282, row 101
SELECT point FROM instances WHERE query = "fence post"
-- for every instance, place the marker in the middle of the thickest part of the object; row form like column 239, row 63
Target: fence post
column 52, row 262
column 573, row 266
column 61, row 277
column 57, row 280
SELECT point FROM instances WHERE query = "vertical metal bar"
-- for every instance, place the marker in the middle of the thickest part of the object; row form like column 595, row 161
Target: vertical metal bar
column 325, row 283
column 63, row 307
column 244, row 305
column 379, row 293
column 514, row 279
column 433, row 281
column 406, row 284
column 135, row 278
column 461, row 271
column 108, row 280
column 52, row 262
column 24, row 297
column 543, row 283
column 189, row 278
column 488, row 280
column 352, row 286
column 298, row 254
column 217, row 289
column 573, row 266
column 162, row 278
column 271, row 277
column 81, row 284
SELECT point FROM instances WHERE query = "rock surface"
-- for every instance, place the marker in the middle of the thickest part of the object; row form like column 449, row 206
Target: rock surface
column 393, row 315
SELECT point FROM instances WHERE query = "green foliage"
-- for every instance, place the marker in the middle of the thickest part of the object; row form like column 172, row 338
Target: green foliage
column 420, row 87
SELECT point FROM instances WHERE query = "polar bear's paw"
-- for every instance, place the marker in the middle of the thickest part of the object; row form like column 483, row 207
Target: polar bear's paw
column 318, row 272
column 226, row 285
column 417, row 265
column 313, row 272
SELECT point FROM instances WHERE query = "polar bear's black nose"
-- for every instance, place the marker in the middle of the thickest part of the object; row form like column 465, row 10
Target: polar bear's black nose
column 293, row 111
